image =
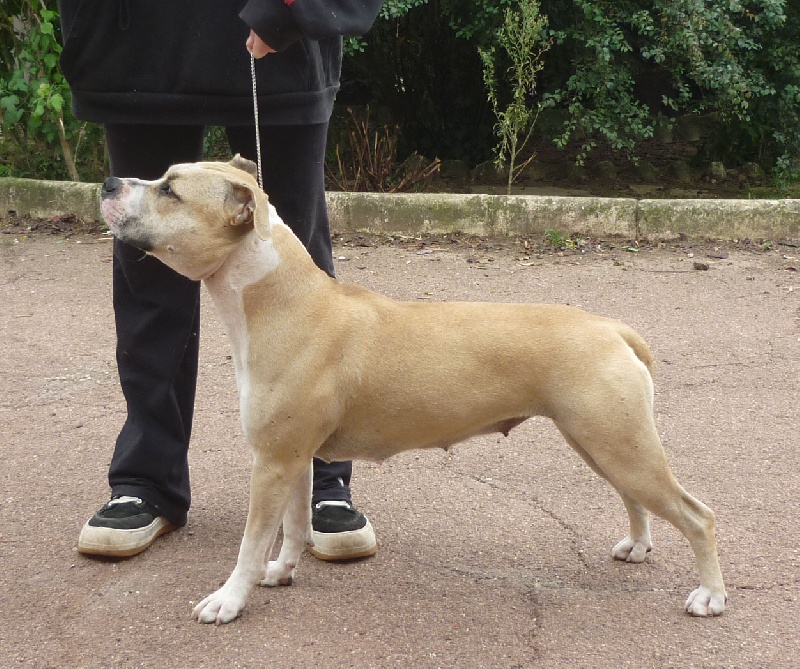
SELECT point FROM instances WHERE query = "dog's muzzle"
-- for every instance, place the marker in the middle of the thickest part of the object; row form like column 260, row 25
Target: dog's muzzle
column 118, row 219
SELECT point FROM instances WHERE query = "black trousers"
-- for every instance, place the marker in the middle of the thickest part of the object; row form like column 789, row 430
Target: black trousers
column 157, row 311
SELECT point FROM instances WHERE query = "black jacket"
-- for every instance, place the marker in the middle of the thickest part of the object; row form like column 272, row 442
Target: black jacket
column 184, row 61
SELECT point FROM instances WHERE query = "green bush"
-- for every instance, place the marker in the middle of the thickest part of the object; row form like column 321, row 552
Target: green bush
column 40, row 138
column 619, row 67
column 616, row 69
column 523, row 40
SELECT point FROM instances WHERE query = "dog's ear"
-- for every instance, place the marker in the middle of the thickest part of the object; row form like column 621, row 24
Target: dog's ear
column 243, row 164
column 242, row 204
column 247, row 209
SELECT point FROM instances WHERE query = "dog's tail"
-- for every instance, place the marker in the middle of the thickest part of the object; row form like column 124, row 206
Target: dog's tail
column 638, row 346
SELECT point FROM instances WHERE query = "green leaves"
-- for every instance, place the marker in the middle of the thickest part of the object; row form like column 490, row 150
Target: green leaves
column 706, row 56
column 615, row 68
column 522, row 40
column 39, row 133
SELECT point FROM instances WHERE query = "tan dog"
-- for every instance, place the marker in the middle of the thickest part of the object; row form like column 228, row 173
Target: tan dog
column 335, row 371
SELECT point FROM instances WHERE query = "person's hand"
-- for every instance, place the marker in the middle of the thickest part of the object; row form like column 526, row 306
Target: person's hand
column 257, row 46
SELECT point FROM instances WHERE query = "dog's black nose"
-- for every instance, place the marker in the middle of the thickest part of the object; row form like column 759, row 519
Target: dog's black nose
column 111, row 186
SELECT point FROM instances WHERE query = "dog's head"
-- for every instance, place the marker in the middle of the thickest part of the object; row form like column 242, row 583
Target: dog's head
column 192, row 217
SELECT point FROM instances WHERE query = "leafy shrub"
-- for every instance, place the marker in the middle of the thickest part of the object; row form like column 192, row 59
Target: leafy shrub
column 40, row 138
column 522, row 38
column 621, row 66
column 617, row 68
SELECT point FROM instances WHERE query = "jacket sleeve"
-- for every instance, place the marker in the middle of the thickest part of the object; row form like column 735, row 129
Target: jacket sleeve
column 281, row 22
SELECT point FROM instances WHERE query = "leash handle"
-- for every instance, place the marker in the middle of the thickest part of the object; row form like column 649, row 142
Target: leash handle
column 255, row 115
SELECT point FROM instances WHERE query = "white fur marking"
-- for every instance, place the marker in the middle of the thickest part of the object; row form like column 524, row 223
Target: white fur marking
column 246, row 265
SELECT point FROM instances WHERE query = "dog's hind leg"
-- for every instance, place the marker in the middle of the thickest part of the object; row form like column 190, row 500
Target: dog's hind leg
column 296, row 534
column 638, row 543
column 630, row 456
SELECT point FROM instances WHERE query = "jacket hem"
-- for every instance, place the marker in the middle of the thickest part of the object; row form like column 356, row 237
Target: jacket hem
column 181, row 109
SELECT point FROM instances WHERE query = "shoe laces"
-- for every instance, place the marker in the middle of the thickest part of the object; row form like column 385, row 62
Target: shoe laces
column 333, row 502
column 124, row 499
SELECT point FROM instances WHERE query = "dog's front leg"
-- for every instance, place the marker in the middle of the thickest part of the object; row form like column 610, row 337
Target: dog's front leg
column 296, row 534
column 270, row 487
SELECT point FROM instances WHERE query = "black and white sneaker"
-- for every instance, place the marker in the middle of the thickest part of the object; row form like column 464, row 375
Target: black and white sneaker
column 341, row 532
column 123, row 527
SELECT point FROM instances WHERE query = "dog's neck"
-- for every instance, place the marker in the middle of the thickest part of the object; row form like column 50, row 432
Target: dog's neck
column 279, row 257
column 248, row 263
column 261, row 276
column 273, row 270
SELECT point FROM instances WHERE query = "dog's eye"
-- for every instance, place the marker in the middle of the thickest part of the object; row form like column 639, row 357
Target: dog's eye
column 165, row 190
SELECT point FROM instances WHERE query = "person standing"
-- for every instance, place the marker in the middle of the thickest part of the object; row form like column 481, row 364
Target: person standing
column 155, row 74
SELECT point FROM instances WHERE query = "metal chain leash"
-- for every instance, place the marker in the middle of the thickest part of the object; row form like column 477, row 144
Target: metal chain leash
column 255, row 114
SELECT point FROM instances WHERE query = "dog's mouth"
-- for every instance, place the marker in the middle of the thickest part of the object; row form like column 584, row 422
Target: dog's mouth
column 123, row 226
column 139, row 243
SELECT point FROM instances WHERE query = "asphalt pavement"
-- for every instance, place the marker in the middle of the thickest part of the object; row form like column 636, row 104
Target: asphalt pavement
column 495, row 554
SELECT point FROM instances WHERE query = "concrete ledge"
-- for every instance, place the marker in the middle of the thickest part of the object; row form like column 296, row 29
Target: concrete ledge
column 486, row 215
column 46, row 199
column 529, row 215
column 720, row 219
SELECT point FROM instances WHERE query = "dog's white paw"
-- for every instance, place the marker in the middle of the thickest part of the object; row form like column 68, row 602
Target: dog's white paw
column 631, row 550
column 705, row 602
column 219, row 607
column 279, row 573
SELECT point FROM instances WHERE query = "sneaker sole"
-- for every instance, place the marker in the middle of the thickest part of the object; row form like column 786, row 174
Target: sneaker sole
column 121, row 543
column 351, row 545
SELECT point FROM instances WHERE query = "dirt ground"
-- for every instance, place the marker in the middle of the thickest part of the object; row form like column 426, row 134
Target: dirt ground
column 496, row 554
